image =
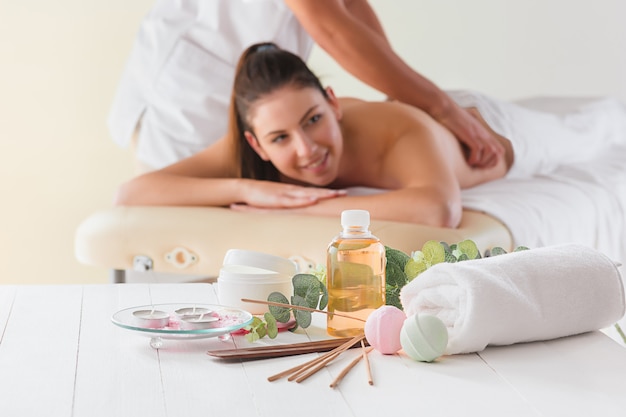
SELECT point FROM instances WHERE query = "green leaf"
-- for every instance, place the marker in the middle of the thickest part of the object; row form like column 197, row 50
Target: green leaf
column 282, row 314
column 433, row 253
column 324, row 297
column 396, row 257
column 277, row 297
column 302, row 284
column 252, row 337
column 261, row 331
column 392, row 297
column 308, row 287
column 256, row 330
column 463, row 257
column 256, row 322
column 469, row 248
column 395, row 275
column 272, row 328
column 417, row 255
column 446, row 247
column 520, row 248
column 320, row 273
column 450, row 258
column 415, row 267
column 303, row 318
column 497, row 251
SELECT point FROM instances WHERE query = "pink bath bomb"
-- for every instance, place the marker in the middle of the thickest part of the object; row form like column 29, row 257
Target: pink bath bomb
column 382, row 329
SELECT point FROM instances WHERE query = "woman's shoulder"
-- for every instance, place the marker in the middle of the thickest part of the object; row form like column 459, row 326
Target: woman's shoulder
column 389, row 111
column 347, row 102
column 393, row 106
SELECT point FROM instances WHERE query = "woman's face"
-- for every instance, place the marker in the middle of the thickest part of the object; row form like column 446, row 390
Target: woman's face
column 297, row 130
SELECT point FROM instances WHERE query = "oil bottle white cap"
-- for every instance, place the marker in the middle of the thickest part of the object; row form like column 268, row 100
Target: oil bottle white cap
column 355, row 218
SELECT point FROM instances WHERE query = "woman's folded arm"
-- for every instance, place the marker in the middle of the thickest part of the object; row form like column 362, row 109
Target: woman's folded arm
column 430, row 206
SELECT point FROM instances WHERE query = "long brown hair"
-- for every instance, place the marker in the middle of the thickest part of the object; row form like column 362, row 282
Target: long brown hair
column 262, row 69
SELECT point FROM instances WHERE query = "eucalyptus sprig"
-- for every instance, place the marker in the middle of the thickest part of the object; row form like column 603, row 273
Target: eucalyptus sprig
column 258, row 329
column 308, row 291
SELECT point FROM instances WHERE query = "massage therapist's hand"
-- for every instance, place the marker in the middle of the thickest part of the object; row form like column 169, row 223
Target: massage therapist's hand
column 484, row 148
column 268, row 194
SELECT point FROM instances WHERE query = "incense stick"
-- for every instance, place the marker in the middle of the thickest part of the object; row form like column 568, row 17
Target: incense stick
column 297, row 370
column 273, row 351
column 313, row 310
column 291, row 370
column 312, row 367
column 302, row 367
column 347, row 369
column 367, row 364
column 331, row 356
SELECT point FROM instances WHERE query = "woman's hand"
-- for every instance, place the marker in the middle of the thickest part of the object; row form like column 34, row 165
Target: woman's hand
column 274, row 195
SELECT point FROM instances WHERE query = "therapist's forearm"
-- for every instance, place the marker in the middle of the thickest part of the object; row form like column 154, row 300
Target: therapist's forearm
column 362, row 11
column 366, row 54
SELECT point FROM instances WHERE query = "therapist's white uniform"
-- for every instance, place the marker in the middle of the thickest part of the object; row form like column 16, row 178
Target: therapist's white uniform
column 178, row 79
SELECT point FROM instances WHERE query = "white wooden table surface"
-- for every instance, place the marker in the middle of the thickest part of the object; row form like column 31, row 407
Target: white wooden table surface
column 60, row 355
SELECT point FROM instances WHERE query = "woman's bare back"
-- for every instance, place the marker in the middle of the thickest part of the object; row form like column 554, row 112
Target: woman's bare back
column 390, row 145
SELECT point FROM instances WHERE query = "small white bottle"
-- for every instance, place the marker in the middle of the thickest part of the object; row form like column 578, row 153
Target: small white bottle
column 355, row 274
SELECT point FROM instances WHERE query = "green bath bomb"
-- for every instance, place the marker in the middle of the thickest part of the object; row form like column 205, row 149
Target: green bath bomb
column 424, row 338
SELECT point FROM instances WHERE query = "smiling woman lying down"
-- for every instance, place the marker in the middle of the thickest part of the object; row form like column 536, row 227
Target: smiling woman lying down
column 294, row 147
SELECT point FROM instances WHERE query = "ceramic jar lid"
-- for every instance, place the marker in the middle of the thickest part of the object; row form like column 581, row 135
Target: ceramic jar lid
column 261, row 260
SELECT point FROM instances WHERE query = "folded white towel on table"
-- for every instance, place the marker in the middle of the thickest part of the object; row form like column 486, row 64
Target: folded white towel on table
column 538, row 294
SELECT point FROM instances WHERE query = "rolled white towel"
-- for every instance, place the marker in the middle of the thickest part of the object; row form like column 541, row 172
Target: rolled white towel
column 538, row 294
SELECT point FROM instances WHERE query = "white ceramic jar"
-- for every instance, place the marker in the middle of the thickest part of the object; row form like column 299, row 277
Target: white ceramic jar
column 253, row 275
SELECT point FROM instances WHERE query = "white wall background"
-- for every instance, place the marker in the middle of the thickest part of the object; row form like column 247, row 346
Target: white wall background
column 510, row 49
column 60, row 62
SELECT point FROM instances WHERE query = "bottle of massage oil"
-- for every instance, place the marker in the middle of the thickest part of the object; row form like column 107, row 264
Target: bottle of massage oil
column 355, row 274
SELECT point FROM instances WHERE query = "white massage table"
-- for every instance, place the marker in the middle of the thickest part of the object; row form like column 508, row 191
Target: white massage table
column 582, row 204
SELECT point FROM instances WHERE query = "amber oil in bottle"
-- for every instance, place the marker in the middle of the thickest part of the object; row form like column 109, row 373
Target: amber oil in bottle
column 355, row 274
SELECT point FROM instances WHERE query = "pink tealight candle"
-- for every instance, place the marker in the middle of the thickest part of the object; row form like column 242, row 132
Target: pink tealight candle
column 153, row 319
